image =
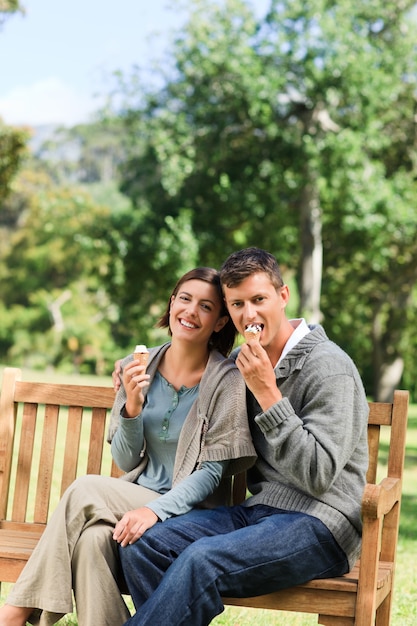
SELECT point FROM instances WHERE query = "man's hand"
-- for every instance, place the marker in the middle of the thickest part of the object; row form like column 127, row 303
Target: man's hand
column 255, row 367
column 116, row 375
column 133, row 524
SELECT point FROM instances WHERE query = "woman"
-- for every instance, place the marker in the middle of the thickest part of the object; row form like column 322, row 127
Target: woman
column 181, row 432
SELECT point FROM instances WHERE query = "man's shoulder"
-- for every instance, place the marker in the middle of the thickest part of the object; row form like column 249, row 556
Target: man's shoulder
column 324, row 349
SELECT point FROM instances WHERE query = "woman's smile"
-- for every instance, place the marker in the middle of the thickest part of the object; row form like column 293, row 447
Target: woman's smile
column 187, row 324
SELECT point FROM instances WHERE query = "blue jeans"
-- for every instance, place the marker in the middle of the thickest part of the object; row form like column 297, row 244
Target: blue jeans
column 230, row 551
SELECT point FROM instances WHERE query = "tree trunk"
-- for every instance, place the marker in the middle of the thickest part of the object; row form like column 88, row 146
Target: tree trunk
column 387, row 330
column 311, row 263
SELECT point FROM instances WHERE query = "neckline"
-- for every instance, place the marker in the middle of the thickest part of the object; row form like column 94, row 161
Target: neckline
column 182, row 389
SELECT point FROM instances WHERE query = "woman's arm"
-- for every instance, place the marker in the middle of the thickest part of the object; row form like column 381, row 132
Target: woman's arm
column 177, row 501
column 190, row 491
column 127, row 443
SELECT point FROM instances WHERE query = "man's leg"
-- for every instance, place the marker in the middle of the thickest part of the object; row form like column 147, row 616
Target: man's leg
column 154, row 552
column 271, row 550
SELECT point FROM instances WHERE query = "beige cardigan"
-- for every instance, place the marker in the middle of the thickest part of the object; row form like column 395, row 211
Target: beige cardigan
column 215, row 429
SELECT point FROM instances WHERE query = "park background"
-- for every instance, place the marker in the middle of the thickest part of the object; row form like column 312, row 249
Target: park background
column 292, row 128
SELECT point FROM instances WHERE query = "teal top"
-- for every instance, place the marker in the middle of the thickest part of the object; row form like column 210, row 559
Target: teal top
column 163, row 415
column 160, row 422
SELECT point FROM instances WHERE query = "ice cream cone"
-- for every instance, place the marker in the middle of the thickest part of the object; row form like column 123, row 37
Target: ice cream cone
column 141, row 354
column 252, row 332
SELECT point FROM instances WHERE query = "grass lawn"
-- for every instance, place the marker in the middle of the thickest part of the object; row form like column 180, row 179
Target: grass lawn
column 405, row 595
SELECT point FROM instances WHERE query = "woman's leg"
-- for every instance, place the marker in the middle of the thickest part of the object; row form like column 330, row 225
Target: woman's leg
column 46, row 581
column 13, row 615
column 98, row 578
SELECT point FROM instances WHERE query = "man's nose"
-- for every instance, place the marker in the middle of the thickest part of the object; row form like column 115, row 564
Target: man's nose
column 249, row 311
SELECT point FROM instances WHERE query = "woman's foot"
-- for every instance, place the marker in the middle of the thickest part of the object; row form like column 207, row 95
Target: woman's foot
column 14, row 615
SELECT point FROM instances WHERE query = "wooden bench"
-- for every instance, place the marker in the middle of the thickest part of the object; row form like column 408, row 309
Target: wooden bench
column 35, row 417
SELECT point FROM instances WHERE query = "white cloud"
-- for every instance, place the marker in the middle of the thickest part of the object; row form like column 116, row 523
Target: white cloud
column 49, row 101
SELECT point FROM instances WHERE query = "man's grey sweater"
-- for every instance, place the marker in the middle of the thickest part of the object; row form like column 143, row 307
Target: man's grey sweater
column 312, row 445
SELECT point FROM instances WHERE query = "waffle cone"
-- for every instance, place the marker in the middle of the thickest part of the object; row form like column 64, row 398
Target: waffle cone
column 141, row 354
column 252, row 336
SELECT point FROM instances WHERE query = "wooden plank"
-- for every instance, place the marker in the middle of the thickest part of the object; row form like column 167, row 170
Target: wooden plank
column 46, row 463
column 97, row 437
column 302, row 600
column 66, row 395
column 72, row 446
column 24, row 462
column 380, row 413
column 374, row 432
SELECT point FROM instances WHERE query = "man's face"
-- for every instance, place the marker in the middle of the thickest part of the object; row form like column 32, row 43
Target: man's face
column 257, row 301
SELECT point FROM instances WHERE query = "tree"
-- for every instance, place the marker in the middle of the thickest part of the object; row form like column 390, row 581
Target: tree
column 8, row 7
column 272, row 133
column 205, row 158
column 13, row 144
column 54, row 307
column 13, row 148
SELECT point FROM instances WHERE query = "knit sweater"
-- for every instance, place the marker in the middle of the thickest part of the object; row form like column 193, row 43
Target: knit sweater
column 215, row 429
column 312, row 445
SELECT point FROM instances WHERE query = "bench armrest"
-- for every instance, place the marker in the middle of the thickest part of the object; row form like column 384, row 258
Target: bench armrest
column 379, row 499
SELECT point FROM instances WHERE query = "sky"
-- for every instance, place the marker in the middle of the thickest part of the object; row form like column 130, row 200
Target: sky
column 56, row 61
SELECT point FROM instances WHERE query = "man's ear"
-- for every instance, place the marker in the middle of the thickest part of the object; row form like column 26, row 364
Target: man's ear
column 221, row 323
column 285, row 295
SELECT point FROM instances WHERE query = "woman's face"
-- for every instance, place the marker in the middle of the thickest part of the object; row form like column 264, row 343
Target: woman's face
column 195, row 311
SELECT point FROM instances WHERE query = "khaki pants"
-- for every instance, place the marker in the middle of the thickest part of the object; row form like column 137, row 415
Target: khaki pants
column 77, row 552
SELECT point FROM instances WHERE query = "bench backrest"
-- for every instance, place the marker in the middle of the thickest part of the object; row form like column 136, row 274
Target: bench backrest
column 44, row 426
column 49, row 434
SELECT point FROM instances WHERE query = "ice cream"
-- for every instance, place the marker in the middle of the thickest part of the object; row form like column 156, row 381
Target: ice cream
column 141, row 354
column 253, row 332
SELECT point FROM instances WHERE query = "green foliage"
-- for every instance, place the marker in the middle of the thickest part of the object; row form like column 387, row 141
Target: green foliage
column 55, row 309
column 8, row 7
column 252, row 130
column 316, row 101
column 12, row 150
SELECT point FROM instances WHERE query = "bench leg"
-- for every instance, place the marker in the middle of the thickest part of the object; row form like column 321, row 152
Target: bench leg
column 383, row 612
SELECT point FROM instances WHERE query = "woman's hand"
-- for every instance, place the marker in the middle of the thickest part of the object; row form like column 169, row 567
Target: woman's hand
column 134, row 381
column 133, row 524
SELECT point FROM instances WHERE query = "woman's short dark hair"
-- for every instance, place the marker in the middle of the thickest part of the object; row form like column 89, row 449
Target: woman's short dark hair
column 224, row 339
column 244, row 263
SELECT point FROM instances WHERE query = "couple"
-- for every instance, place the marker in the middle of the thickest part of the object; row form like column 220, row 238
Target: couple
column 308, row 420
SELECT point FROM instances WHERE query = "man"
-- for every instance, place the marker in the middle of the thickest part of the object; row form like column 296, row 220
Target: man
column 308, row 416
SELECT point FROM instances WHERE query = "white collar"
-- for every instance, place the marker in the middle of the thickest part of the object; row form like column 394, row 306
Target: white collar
column 301, row 329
